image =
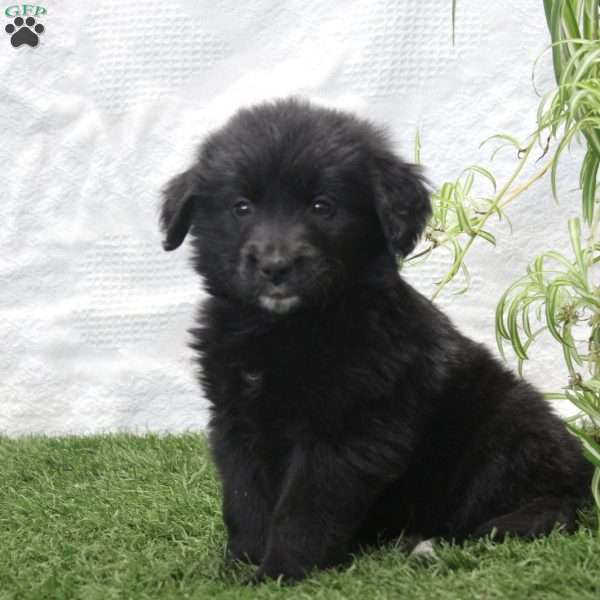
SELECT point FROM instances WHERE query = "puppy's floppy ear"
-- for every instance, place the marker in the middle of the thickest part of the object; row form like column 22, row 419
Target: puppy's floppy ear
column 402, row 202
column 177, row 209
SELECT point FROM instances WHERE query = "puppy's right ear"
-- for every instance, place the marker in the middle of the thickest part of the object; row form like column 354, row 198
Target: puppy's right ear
column 177, row 209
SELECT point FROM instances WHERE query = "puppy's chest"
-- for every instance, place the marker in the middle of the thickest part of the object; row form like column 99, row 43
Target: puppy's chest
column 306, row 377
column 285, row 380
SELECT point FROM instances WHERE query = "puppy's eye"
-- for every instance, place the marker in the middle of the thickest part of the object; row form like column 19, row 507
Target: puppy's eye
column 242, row 208
column 322, row 207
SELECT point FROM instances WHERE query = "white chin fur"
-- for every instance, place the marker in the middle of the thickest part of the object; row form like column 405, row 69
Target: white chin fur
column 279, row 305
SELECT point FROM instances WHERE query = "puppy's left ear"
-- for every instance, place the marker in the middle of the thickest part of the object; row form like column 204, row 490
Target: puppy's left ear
column 176, row 210
column 402, row 202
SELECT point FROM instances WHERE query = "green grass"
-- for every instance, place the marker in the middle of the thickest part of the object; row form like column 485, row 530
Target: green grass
column 139, row 517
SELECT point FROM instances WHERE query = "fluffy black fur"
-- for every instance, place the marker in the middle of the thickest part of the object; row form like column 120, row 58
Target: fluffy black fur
column 346, row 408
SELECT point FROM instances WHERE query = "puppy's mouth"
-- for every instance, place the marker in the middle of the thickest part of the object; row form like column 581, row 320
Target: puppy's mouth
column 279, row 303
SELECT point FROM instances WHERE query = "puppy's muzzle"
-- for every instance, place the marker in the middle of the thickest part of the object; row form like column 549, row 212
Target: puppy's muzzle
column 276, row 266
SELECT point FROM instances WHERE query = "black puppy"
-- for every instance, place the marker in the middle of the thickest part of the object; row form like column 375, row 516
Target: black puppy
column 346, row 409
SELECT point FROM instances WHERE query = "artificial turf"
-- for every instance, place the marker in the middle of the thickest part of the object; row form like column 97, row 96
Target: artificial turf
column 139, row 517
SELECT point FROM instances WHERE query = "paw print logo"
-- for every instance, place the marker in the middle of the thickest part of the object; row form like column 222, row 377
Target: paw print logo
column 24, row 32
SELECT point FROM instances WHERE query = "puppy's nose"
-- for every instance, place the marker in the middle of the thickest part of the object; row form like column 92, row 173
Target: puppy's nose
column 276, row 268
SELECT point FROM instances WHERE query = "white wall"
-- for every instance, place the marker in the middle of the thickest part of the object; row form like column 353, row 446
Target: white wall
column 112, row 102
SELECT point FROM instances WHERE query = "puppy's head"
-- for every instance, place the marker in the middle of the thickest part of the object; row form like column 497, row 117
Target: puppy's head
column 289, row 204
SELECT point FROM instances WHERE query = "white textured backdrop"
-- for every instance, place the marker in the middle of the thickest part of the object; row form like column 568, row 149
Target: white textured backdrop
column 112, row 102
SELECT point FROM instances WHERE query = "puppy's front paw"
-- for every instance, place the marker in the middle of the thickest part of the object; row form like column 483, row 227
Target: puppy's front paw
column 244, row 550
column 282, row 569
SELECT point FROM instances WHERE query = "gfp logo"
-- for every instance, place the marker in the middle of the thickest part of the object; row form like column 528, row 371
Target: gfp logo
column 24, row 28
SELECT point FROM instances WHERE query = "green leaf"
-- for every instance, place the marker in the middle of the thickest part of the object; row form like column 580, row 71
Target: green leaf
column 589, row 56
column 486, row 235
column 417, row 147
column 590, row 446
column 575, row 237
column 511, row 140
column 554, row 396
column 467, row 275
column 552, row 307
column 484, row 172
column 569, row 346
column 589, row 173
column 530, row 340
column 596, row 487
column 513, row 329
column 570, row 21
column 590, row 19
column 501, row 331
column 588, row 300
column 553, row 15
column 463, row 219
column 586, row 402
column 559, row 258
column 468, row 184
column 457, row 259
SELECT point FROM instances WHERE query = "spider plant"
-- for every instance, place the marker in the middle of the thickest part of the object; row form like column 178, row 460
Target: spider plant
column 460, row 217
column 558, row 293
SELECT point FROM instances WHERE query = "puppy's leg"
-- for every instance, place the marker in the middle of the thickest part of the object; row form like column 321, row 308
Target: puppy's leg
column 246, row 508
column 323, row 501
column 536, row 518
column 246, row 518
